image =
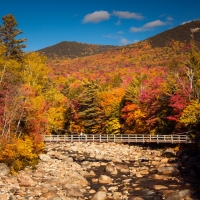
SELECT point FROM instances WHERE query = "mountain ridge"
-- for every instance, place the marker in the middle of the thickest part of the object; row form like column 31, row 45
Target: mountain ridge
column 67, row 49
column 183, row 33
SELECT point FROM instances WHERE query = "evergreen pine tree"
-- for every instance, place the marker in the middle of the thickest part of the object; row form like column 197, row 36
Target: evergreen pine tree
column 8, row 33
column 90, row 110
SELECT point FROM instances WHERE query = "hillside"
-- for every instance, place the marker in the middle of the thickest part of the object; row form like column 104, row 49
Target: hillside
column 121, row 61
column 183, row 33
column 74, row 49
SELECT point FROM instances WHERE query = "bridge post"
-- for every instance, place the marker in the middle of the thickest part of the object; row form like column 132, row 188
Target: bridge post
column 93, row 138
column 128, row 139
column 85, row 138
column 107, row 138
column 114, row 138
column 100, row 138
column 71, row 138
column 143, row 139
column 172, row 139
column 157, row 139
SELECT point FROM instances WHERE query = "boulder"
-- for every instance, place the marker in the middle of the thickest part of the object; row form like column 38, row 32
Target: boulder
column 45, row 158
column 76, row 178
column 3, row 196
column 144, row 172
column 168, row 170
column 121, row 167
column 49, row 195
column 100, row 195
column 103, row 179
column 110, row 168
column 178, row 194
column 169, row 153
column 4, row 169
column 74, row 193
column 26, row 181
column 117, row 196
column 159, row 187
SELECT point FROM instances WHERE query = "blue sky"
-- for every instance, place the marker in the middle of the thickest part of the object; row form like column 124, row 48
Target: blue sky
column 108, row 22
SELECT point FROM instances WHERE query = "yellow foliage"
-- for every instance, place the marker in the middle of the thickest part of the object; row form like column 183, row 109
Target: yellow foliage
column 19, row 152
column 177, row 147
column 25, row 148
column 56, row 111
column 110, row 101
column 191, row 114
column 2, row 49
column 112, row 126
column 35, row 71
column 75, row 128
column 56, row 118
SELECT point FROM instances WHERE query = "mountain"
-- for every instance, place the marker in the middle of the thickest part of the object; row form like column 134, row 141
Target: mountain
column 74, row 49
column 183, row 33
column 159, row 51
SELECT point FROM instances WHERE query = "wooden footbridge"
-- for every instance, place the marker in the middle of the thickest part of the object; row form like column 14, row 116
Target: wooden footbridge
column 121, row 138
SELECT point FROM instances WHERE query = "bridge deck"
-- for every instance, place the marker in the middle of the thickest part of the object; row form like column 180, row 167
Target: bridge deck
column 120, row 138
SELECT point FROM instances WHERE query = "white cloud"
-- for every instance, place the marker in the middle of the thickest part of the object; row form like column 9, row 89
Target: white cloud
column 118, row 22
column 120, row 32
column 148, row 26
column 119, row 38
column 154, row 24
column 124, row 41
column 186, row 22
column 96, row 17
column 135, row 41
column 170, row 19
column 111, row 36
column 127, row 15
column 135, row 30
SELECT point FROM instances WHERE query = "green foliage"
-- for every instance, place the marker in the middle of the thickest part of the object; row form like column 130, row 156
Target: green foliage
column 90, row 112
column 8, row 34
column 64, row 50
column 134, row 88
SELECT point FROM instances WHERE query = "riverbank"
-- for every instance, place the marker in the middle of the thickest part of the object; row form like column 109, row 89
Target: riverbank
column 99, row 171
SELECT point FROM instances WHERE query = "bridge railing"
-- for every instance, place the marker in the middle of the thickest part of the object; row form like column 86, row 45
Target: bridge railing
column 120, row 138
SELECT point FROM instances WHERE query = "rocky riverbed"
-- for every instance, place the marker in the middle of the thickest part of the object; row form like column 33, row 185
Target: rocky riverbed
column 103, row 171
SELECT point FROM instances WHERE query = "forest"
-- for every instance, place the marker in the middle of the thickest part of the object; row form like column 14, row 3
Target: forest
column 136, row 89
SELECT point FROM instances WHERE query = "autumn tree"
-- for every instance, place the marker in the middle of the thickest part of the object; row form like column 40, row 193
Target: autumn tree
column 192, row 71
column 191, row 117
column 111, row 105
